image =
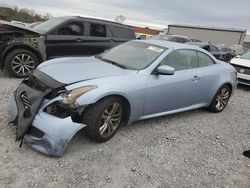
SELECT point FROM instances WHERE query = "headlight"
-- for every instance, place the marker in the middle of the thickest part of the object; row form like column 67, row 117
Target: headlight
column 70, row 98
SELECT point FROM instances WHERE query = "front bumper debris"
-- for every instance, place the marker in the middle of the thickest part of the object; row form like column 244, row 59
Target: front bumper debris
column 27, row 101
column 45, row 132
column 56, row 132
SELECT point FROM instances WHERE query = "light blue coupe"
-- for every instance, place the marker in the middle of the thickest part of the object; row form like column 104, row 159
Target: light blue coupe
column 136, row 80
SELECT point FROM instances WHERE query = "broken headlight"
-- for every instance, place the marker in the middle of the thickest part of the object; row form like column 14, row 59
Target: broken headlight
column 69, row 98
column 68, row 106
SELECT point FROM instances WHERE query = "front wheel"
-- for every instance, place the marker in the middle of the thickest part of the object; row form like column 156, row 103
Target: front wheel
column 104, row 118
column 21, row 63
column 221, row 99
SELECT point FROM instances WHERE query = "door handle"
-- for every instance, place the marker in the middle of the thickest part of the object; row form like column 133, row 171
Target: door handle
column 195, row 78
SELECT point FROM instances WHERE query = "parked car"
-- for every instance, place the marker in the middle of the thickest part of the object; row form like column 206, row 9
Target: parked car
column 229, row 53
column 136, row 80
column 172, row 38
column 242, row 64
column 212, row 49
column 239, row 49
column 23, row 48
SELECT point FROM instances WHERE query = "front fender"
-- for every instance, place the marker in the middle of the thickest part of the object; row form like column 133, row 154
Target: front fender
column 132, row 95
column 35, row 45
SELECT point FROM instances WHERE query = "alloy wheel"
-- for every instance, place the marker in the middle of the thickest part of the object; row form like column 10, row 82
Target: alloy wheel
column 23, row 64
column 222, row 98
column 110, row 119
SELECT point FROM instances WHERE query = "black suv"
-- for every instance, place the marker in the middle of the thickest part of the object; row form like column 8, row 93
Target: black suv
column 23, row 48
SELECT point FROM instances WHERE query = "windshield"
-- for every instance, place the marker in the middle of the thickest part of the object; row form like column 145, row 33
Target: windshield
column 246, row 55
column 48, row 25
column 133, row 55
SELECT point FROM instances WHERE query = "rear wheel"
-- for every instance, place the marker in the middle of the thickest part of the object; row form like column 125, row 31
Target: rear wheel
column 221, row 99
column 104, row 118
column 21, row 62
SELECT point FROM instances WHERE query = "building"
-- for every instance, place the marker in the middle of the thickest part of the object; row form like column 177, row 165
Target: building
column 247, row 41
column 213, row 35
column 2, row 17
column 145, row 32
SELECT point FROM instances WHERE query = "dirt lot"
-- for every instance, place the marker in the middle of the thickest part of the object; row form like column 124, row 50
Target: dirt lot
column 191, row 149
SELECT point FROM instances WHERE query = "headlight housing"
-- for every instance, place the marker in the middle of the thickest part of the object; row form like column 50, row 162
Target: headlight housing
column 69, row 98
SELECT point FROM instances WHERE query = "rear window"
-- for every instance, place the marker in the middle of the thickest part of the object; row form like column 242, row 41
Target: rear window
column 97, row 30
column 123, row 32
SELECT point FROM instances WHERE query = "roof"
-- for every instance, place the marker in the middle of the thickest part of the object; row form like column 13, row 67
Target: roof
column 208, row 28
column 145, row 30
column 180, row 36
column 168, row 44
column 197, row 43
column 95, row 19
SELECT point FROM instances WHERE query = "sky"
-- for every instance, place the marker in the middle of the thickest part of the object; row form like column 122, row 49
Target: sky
column 150, row 13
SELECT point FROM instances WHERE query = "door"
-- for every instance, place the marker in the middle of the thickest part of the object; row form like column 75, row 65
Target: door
column 171, row 92
column 66, row 40
column 209, row 75
column 98, row 38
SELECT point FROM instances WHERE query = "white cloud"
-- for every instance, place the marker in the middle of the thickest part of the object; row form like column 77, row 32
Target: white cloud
column 160, row 13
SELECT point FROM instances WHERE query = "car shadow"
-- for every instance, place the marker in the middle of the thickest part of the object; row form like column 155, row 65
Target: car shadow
column 243, row 87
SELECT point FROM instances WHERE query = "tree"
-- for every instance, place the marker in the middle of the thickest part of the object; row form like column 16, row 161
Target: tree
column 24, row 15
column 47, row 16
column 120, row 19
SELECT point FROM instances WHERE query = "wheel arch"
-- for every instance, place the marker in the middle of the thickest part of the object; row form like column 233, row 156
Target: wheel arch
column 217, row 88
column 227, row 83
column 125, row 100
column 21, row 46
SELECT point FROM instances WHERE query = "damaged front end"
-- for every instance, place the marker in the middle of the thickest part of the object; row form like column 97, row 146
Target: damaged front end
column 13, row 36
column 44, row 118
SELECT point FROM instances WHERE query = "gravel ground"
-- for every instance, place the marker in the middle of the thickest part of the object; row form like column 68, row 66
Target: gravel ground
column 190, row 149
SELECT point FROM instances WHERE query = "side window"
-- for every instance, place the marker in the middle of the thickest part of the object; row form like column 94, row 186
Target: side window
column 204, row 60
column 180, row 40
column 206, row 48
column 143, row 37
column 97, row 30
column 174, row 39
column 74, row 28
column 181, row 59
column 214, row 49
column 185, row 40
column 226, row 49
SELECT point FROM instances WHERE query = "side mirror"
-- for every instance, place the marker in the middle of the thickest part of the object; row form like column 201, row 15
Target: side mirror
column 165, row 70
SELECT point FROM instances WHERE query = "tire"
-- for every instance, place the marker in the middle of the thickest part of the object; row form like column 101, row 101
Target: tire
column 221, row 99
column 20, row 63
column 101, row 124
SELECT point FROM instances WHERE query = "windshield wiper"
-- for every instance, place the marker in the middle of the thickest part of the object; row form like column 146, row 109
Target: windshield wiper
column 112, row 62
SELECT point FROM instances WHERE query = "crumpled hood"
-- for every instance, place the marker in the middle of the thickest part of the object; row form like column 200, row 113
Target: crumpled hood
column 74, row 69
column 12, row 26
